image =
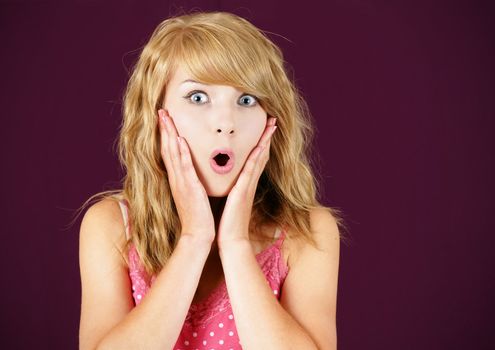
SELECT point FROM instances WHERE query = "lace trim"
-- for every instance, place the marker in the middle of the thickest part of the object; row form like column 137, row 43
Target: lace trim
column 201, row 313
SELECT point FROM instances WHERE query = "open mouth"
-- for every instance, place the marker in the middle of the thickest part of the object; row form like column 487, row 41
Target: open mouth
column 222, row 161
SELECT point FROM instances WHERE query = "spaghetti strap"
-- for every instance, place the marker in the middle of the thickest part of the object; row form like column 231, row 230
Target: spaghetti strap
column 279, row 235
column 125, row 215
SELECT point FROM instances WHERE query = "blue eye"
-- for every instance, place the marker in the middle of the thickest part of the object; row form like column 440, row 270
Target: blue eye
column 197, row 97
column 248, row 100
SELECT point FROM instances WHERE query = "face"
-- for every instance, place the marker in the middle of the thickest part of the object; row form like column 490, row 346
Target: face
column 213, row 117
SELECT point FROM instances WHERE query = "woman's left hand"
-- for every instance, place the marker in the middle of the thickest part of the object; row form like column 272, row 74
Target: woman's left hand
column 234, row 224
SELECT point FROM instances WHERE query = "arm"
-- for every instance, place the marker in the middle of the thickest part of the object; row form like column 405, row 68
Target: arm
column 108, row 318
column 305, row 317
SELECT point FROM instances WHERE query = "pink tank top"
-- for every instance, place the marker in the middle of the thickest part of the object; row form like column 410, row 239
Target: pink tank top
column 210, row 323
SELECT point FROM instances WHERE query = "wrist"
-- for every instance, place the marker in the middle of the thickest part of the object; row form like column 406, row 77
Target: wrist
column 196, row 241
column 233, row 245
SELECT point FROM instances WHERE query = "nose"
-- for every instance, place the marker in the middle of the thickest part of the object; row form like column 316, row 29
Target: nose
column 224, row 123
column 225, row 131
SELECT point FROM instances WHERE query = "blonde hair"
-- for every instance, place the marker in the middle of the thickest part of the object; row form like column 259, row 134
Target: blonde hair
column 218, row 48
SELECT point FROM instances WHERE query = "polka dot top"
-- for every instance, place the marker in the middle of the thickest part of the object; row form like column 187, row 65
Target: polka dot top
column 210, row 323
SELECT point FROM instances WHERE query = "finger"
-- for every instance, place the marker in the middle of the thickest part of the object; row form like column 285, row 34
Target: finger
column 261, row 160
column 164, row 149
column 173, row 145
column 186, row 161
column 248, row 171
column 272, row 121
column 258, row 158
column 265, row 142
column 259, row 166
column 268, row 132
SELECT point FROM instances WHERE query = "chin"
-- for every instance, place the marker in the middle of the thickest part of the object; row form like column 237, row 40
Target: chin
column 220, row 188
column 218, row 185
column 218, row 191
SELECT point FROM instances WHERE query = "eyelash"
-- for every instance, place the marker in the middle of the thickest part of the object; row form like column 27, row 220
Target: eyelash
column 188, row 97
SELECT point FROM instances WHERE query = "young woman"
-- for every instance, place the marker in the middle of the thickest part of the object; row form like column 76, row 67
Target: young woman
column 217, row 239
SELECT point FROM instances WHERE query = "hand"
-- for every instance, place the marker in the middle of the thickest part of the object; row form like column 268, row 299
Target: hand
column 190, row 197
column 234, row 224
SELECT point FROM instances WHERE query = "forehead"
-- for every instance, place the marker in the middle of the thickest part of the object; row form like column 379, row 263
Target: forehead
column 182, row 77
column 179, row 74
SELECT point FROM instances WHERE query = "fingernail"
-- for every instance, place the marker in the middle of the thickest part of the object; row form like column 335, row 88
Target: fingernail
column 274, row 121
column 273, row 129
column 179, row 140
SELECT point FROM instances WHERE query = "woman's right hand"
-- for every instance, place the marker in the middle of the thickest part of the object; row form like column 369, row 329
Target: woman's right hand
column 190, row 197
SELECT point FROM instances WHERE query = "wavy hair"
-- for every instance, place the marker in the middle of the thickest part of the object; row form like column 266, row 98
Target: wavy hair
column 218, row 48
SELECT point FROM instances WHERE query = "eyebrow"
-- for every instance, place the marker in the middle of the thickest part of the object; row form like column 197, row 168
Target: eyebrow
column 192, row 81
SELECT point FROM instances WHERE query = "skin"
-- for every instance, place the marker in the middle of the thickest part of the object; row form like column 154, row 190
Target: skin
column 305, row 316
column 275, row 325
column 219, row 116
column 211, row 206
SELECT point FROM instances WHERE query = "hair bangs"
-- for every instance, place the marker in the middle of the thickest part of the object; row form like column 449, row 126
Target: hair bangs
column 217, row 48
column 205, row 56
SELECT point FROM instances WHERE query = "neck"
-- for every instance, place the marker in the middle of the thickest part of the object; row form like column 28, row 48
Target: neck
column 217, row 205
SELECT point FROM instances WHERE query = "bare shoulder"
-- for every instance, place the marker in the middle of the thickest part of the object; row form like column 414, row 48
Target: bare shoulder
column 310, row 288
column 106, row 296
column 324, row 230
column 103, row 225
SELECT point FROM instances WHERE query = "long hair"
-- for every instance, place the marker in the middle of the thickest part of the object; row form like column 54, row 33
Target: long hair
column 217, row 48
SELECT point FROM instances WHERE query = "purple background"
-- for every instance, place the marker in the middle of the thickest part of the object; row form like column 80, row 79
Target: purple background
column 403, row 96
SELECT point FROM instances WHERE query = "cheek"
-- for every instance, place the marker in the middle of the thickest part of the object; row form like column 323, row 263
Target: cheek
column 183, row 123
column 253, row 129
column 189, row 126
column 181, row 126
